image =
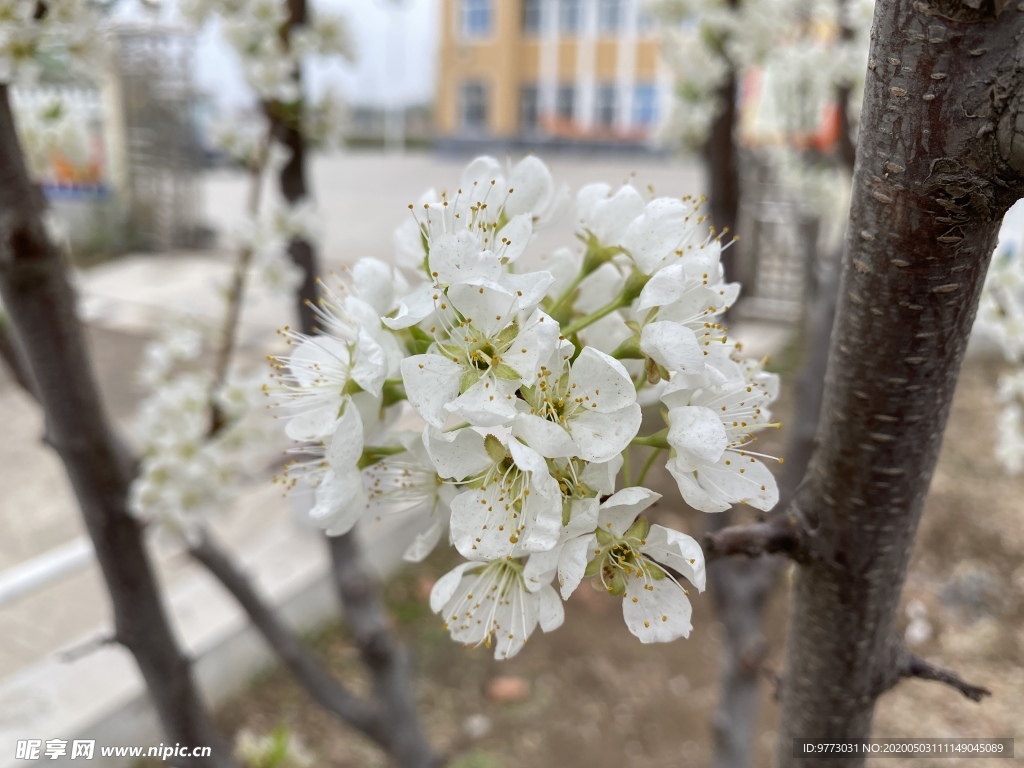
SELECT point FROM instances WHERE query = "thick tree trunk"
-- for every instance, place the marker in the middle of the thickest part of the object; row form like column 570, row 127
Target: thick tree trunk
column 41, row 306
column 722, row 163
column 939, row 160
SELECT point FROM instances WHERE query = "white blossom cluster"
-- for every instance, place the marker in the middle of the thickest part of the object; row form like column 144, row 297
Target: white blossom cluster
column 267, row 238
column 1001, row 315
column 795, row 44
column 528, row 384
column 190, row 467
column 31, row 30
column 51, row 126
column 270, row 51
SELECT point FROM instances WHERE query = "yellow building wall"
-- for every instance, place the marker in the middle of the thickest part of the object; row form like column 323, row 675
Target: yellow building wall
column 506, row 60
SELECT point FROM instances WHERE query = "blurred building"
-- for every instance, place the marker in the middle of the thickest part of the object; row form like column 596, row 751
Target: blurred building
column 544, row 71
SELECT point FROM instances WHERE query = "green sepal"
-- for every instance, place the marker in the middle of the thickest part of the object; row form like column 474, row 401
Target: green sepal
column 504, row 371
column 495, row 449
column 451, row 351
column 656, row 572
column 469, row 378
column 593, row 567
column 509, row 332
column 604, row 537
column 617, row 587
column 634, row 326
column 629, row 350
column 638, row 530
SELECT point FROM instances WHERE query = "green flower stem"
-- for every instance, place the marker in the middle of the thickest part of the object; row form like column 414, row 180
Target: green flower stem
column 566, row 294
column 647, row 465
column 582, row 322
column 626, row 481
column 657, row 440
column 374, row 453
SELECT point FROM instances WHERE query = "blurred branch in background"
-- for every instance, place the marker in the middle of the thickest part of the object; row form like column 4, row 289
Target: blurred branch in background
column 41, row 306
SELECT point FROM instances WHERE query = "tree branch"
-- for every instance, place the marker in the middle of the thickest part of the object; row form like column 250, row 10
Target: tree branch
column 774, row 535
column 41, row 306
column 307, row 670
column 915, row 666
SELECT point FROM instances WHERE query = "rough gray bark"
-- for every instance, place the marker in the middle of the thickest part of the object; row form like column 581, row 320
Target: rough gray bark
column 41, row 307
column 940, row 158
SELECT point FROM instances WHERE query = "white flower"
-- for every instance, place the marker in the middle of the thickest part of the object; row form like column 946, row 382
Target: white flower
column 710, row 431
column 629, row 557
column 492, row 604
column 510, row 505
column 406, row 485
column 587, row 409
column 606, row 216
column 476, row 368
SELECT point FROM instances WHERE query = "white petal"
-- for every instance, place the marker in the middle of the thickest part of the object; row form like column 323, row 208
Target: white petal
column 541, row 566
column 314, row 423
column 415, row 307
column 375, row 283
column 666, row 286
column 743, row 479
column 457, row 455
column 619, row 511
column 370, row 366
column 408, row 243
column 583, row 518
column 346, row 446
column 512, row 239
column 528, row 287
column 610, row 218
column 551, row 612
column 444, row 588
column 602, row 381
column 431, row 382
column 545, row 437
column 534, row 345
column 572, row 563
column 658, row 612
column 460, row 257
column 564, row 265
column 488, row 308
column 658, row 232
column 488, row 403
column 697, row 433
column 673, row 346
column 693, row 494
column 678, row 551
column 340, row 501
column 317, row 357
column 600, row 475
column 532, row 187
column 601, row 436
column 424, row 543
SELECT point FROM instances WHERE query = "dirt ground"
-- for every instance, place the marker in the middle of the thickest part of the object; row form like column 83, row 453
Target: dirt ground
column 598, row 698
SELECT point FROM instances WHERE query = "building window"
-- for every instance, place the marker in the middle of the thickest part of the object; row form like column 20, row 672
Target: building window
column 605, row 106
column 529, row 109
column 476, row 18
column 570, row 17
column 474, row 107
column 645, row 104
column 532, row 16
column 565, row 102
column 644, row 22
column 609, row 16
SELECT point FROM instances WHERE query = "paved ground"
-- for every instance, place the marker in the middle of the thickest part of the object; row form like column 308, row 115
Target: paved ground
column 363, row 197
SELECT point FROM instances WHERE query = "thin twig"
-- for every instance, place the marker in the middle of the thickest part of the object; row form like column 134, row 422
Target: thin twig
column 236, row 293
column 775, row 535
column 915, row 666
column 307, row 670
